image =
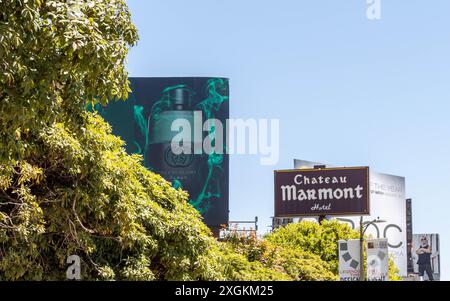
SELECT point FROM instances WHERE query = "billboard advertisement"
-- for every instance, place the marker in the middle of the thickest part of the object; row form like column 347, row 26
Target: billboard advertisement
column 330, row 191
column 387, row 202
column 349, row 269
column 409, row 236
column 152, row 117
column 377, row 259
column 426, row 256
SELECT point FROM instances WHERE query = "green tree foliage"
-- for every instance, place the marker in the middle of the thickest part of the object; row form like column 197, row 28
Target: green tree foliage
column 393, row 271
column 66, row 184
column 321, row 240
column 288, row 262
column 84, row 195
column 55, row 55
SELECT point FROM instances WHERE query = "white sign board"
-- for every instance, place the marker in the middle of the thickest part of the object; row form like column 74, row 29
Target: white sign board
column 349, row 260
column 377, row 259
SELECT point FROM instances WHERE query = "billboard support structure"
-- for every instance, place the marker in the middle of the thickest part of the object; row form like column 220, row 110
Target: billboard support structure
column 361, row 244
column 321, row 217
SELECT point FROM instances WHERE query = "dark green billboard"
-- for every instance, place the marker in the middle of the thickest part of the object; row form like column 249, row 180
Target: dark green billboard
column 147, row 123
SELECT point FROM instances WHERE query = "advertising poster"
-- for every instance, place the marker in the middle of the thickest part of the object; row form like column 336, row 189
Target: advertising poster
column 387, row 202
column 152, row 116
column 331, row 191
column 426, row 256
column 377, row 259
column 349, row 269
column 409, row 235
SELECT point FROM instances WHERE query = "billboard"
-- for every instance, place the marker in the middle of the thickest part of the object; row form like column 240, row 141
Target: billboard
column 426, row 256
column 329, row 191
column 409, row 236
column 388, row 202
column 146, row 123
column 349, row 260
column 377, row 259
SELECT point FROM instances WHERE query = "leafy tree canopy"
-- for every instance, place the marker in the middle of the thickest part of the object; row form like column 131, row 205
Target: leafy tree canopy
column 321, row 240
column 283, row 262
column 66, row 184
column 68, row 187
column 55, row 55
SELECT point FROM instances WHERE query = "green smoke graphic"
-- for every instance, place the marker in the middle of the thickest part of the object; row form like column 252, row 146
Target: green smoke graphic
column 138, row 113
column 209, row 107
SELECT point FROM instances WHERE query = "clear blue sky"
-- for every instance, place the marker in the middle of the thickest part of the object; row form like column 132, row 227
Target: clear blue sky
column 347, row 91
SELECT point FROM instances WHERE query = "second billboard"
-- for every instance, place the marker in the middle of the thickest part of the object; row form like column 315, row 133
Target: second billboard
column 146, row 122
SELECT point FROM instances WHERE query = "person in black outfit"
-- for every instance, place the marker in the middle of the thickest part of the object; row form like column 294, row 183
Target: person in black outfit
column 424, row 261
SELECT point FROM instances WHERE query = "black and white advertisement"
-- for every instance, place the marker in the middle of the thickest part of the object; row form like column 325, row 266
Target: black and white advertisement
column 426, row 256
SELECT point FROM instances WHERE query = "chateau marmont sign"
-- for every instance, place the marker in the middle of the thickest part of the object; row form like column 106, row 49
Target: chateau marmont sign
column 326, row 191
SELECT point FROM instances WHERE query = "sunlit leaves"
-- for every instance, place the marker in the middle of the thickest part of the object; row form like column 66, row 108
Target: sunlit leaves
column 319, row 239
column 74, row 50
column 67, row 186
